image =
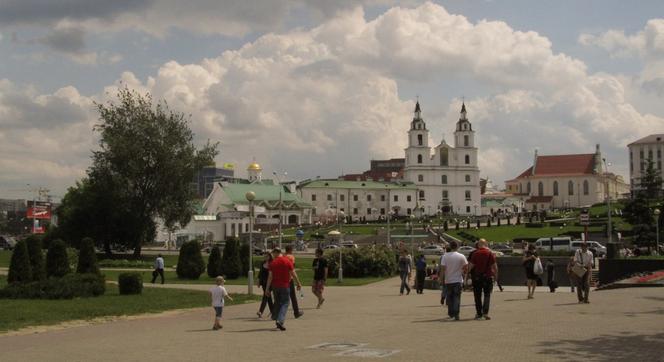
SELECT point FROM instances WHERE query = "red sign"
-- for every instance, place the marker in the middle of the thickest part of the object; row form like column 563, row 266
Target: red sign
column 40, row 210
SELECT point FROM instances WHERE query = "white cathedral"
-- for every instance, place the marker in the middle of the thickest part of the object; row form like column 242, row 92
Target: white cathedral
column 448, row 180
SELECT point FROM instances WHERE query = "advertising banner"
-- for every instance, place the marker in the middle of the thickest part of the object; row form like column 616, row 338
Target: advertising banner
column 39, row 210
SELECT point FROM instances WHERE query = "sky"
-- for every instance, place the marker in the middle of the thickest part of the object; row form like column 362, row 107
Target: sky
column 319, row 88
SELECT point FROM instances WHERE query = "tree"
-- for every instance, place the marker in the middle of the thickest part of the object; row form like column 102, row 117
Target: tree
column 230, row 261
column 214, row 263
column 147, row 153
column 445, row 226
column 244, row 258
column 36, row 254
column 19, row 265
column 651, row 182
column 638, row 213
column 57, row 262
column 87, row 257
column 190, row 261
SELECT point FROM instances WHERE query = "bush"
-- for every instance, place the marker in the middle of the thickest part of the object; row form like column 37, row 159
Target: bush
column 190, row 261
column 367, row 261
column 518, row 219
column 87, row 258
column 130, row 283
column 445, row 226
column 36, row 254
column 230, row 262
column 214, row 263
column 244, row 258
column 534, row 225
column 57, row 262
column 19, row 266
column 68, row 287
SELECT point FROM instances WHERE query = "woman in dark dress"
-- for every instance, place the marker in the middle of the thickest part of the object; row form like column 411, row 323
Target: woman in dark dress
column 529, row 257
column 262, row 280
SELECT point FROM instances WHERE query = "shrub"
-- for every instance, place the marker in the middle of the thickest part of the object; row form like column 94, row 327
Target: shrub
column 378, row 261
column 478, row 224
column 57, row 262
column 230, row 262
column 37, row 267
column 130, row 283
column 488, row 222
column 244, row 258
column 214, row 263
column 445, row 225
column 124, row 263
column 87, row 258
column 190, row 261
column 68, row 287
column 518, row 219
column 19, row 266
column 534, row 225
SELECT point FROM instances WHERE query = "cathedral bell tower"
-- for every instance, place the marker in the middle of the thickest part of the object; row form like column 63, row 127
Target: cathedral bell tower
column 464, row 136
column 418, row 151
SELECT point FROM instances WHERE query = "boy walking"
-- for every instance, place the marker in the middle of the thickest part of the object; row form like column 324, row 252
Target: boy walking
column 218, row 293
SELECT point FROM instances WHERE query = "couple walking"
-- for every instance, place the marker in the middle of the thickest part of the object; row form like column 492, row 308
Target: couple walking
column 483, row 270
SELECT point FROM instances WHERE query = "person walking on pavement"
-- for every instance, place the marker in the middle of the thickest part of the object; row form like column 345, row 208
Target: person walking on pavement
column 420, row 273
column 218, row 293
column 158, row 269
column 529, row 258
column 282, row 272
column 293, row 296
column 484, row 269
column 262, row 280
column 551, row 275
column 405, row 268
column 320, row 276
column 453, row 266
column 584, row 258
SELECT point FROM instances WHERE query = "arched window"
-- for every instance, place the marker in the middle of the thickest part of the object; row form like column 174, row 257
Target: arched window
column 420, row 178
column 570, row 188
column 419, row 158
column 467, row 159
column 540, row 189
column 444, row 154
column 466, row 140
column 419, row 140
column 421, row 194
column 443, row 179
column 468, row 198
column 555, row 188
column 467, row 178
column 528, row 188
column 585, row 187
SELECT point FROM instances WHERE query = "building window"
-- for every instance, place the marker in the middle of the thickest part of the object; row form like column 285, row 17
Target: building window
column 443, row 179
column 368, row 197
column 659, row 165
column 382, row 211
column 467, row 178
column 408, row 211
column 468, row 195
column 570, row 188
column 659, row 153
column 313, row 211
column 421, row 194
column 396, row 198
column 467, row 160
column 382, row 197
column 467, row 207
column 329, row 197
column 650, row 154
column 528, row 188
column 355, row 211
column 369, row 211
column 466, row 141
column 408, row 198
column 420, row 178
column 555, row 188
column 540, row 189
column 585, row 187
column 444, row 153
column 641, row 154
column 445, row 195
column 419, row 140
column 341, row 209
column 355, row 197
column 313, row 197
column 419, row 158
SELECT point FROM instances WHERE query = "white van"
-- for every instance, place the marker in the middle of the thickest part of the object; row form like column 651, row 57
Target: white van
column 596, row 248
column 559, row 243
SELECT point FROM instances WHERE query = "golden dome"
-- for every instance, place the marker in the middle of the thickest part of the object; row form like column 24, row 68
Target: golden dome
column 254, row 167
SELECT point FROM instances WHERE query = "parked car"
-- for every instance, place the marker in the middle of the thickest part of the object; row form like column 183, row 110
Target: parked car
column 432, row 250
column 466, row 250
column 331, row 247
column 7, row 242
column 503, row 248
column 596, row 248
column 348, row 244
column 559, row 243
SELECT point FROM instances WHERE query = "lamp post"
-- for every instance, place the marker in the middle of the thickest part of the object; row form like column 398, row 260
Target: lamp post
column 412, row 220
column 281, row 205
column 475, row 209
column 389, row 216
column 251, row 196
column 657, row 212
column 341, row 257
column 608, row 199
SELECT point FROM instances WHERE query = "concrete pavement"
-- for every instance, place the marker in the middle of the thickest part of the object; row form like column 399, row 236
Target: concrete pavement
column 623, row 324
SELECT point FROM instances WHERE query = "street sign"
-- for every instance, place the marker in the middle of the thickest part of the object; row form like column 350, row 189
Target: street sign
column 584, row 219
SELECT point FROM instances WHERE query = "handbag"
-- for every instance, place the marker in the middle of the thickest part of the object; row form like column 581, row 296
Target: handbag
column 537, row 267
column 579, row 270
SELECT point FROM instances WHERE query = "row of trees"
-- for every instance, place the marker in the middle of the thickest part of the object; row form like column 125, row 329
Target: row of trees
column 141, row 172
column 233, row 264
column 639, row 211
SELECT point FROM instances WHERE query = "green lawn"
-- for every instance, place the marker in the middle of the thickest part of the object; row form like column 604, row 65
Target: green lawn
column 5, row 256
column 508, row 233
column 20, row 313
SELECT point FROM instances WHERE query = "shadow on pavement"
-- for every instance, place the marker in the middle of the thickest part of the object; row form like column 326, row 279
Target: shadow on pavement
column 257, row 330
column 202, row 330
column 624, row 347
column 656, row 312
column 564, row 304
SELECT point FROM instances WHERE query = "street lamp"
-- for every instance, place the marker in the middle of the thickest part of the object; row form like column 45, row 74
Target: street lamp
column 608, row 199
column 251, row 196
column 412, row 220
column 341, row 235
column 657, row 212
column 389, row 216
column 280, row 204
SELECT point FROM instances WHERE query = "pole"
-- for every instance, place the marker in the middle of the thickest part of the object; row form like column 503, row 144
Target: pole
column 658, row 214
column 340, row 278
column 250, row 274
column 608, row 201
column 389, row 216
column 280, row 211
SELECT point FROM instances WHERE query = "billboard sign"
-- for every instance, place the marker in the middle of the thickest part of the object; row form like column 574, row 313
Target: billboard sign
column 39, row 210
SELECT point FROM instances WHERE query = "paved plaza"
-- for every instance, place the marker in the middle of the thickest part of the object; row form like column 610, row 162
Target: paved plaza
column 361, row 322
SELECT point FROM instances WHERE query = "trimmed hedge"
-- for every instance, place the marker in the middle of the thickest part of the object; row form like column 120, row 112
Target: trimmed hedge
column 68, row 287
column 57, row 262
column 37, row 264
column 190, row 261
column 244, row 258
column 19, row 266
column 231, row 265
column 366, row 261
column 130, row 283
column 214, row 263
column 87, row 258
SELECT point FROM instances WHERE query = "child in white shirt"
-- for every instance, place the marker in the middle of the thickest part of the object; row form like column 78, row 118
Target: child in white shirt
column 218, row 293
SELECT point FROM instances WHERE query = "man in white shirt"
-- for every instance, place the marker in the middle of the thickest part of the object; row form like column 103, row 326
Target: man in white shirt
column 584, row 257
column 453, row 266
column 158, row 269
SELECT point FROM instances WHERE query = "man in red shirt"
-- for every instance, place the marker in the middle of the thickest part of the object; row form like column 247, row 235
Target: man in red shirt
column 281, row 272
column 484, row 267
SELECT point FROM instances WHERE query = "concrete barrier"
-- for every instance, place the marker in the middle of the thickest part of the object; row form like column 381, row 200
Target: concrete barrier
column 611, row 270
